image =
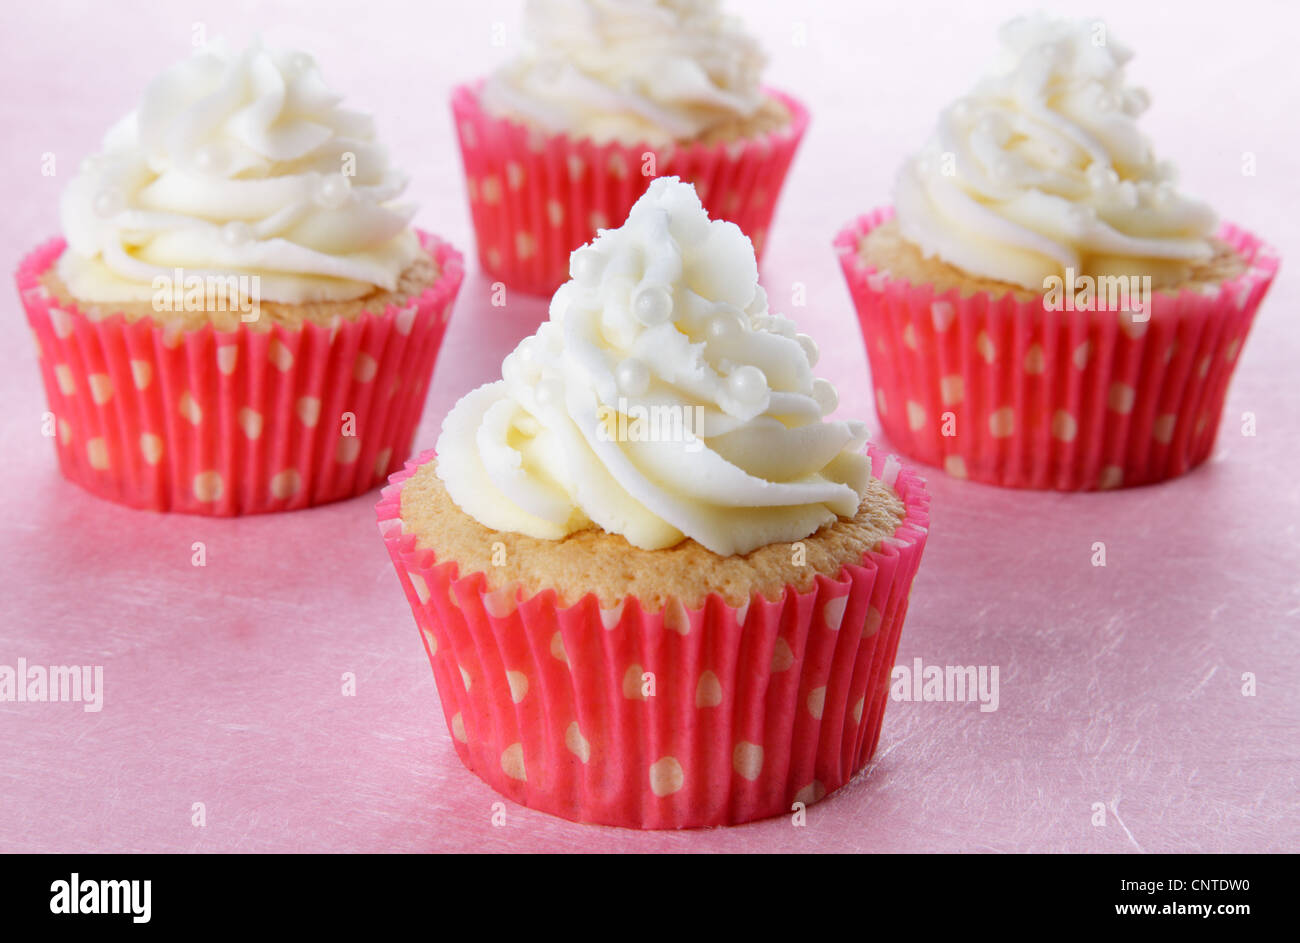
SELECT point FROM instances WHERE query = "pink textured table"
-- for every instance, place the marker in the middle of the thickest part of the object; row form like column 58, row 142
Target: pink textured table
column 223, row 684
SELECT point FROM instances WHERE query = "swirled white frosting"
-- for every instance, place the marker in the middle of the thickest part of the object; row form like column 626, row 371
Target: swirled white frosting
column 635, row 71
column 238, row 163
column 1042, row 167
column 663, row 320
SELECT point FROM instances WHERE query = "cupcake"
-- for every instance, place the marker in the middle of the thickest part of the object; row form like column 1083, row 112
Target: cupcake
column 658, row 588
column 1041, row 307
column 240, row 317
column 604, row 97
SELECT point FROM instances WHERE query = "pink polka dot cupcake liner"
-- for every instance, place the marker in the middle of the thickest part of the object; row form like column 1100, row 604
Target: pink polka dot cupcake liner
column 536, row 197
column 678, row 718
column 1005, row 392
column 235, row 422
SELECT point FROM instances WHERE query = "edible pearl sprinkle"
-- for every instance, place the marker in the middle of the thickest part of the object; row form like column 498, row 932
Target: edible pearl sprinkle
column 824, row 393
column 236, row 233
column 652, row 305
column 633, row 377
column 332, row 191
column 109, row 202
column 747, row 384
column 810, row 349
column 585, row 265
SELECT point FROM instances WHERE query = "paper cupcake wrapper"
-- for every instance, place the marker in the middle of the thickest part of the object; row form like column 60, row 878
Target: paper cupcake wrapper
column 752, row 708
column 235, row 422
column 536, row 197
column 1001, row 391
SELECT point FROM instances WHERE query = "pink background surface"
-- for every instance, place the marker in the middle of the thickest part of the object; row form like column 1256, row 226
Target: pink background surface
column 1119, row 685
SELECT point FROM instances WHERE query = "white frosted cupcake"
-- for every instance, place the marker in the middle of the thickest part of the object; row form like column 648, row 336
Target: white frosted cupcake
column 1042, row 307
column 658, row 586
column 242, row 317
column 603, row 97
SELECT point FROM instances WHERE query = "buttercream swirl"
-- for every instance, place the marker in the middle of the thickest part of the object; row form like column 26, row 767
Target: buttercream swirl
column 661, row 400
column 1042, row 167
column 635, row 71
column 238, row 163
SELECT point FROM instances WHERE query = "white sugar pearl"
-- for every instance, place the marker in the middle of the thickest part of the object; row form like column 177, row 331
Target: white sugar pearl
column 211, row 159
column 236, row 233
column 747, row 384
column 810, row 349
column 652, row 305
column 109, row 202
column 332, row 191
column 633, row 377
column 549, row 393
column 724, row 323
column 824, row 393
column 510, row 371
column 585, row 266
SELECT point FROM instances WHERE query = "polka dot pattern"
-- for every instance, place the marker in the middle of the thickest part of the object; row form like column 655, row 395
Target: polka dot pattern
column 250, row 420
column 141, row 374
column 952, row 389
column 1064, row 426
column 512, row 762
column 208, row 486
column 1047, row 399
column 817, row 702
column 1121, row 397
column 151, row 447
column 576, row 742
column 63, row 375
column 189, row 408
column 281, row 356
column 97, row 454
column 833, row 612
column 610, row 715
column 308, row 410
column 286, row 484
column 227, row 358
column 782, row 656
column 528, row 219
column 708, row 693
column 169, row 407
column 518, row 682
column 101, row 388
column 747, row 760
column 666, row 776
column 1002, row 423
